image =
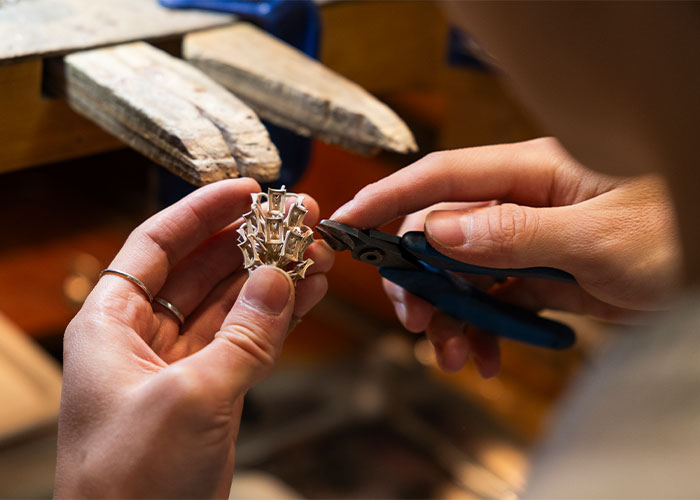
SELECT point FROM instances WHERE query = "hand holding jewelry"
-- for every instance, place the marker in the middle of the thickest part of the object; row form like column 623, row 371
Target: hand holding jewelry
column 158, row 360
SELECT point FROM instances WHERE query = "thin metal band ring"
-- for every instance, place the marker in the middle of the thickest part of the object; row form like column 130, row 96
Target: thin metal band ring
column 170, row 307
column 131, row 278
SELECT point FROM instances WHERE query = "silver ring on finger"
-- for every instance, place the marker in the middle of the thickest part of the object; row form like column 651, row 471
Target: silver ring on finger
column 170, row 307
column 130, row 278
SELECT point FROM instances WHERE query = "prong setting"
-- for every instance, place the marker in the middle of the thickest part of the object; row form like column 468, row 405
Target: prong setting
column 269, row 237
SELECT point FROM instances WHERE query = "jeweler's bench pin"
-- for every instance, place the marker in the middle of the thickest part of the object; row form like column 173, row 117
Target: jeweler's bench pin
column 268, row 236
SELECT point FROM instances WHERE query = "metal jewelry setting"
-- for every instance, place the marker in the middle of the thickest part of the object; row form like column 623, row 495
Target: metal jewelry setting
column 267, row 237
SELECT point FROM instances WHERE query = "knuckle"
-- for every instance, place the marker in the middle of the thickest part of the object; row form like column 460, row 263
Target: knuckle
column 367, row 193
column 252, row 344
column 436, row 161
column 150, row 234
column 187, row 385
column 510, row 227
column 189, row 395
column 81, row 333
column 72, row 328
column 434, row 157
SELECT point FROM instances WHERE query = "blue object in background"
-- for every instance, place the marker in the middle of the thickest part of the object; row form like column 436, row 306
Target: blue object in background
column 296, row 22
column 463, row 51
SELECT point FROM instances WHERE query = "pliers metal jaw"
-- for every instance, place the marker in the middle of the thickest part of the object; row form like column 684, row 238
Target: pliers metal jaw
column 367, row 245
column 413, row 264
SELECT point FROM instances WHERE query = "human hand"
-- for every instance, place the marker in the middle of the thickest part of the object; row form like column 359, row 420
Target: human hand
column 617, row 236
column 151, row 409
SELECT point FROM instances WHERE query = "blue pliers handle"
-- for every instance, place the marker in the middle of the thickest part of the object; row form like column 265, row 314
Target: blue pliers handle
column 414, row 265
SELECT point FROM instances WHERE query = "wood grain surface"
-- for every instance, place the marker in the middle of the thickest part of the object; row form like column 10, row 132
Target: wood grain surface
column 288, row 88
column 171, row 112
column 49, row 27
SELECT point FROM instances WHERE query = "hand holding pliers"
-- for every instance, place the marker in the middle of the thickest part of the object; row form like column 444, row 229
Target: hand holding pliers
column 410, row 262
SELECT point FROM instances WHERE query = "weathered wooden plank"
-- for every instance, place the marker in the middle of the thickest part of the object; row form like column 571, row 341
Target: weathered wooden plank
column 290, row 89
column 170, row 112
column 49, row 27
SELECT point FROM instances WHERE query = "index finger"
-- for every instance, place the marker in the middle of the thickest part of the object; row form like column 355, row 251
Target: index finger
column 155, row 246
column 520, row 173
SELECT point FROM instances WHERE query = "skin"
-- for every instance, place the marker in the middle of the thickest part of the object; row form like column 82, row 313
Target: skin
column 616, row 235
column 150, row 409
column 615, row 82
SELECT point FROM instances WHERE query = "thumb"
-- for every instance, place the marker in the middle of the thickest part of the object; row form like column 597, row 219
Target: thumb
column 246, row 347
column 505, row 236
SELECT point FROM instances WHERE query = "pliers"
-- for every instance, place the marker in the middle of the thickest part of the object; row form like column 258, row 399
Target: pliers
column 410, row 262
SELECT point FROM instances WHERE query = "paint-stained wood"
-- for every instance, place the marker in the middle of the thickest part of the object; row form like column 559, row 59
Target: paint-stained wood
column 49, row 27
column 290, row 89
column 171, row 112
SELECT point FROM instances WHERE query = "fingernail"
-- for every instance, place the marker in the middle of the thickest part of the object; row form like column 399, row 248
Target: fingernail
column 400, row 309
column 268, row 290
column 450, row 229
column 343, row 210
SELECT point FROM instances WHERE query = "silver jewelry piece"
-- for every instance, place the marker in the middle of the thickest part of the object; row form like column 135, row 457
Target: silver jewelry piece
column 170, row 307
column 131, row 278
column 269, row 237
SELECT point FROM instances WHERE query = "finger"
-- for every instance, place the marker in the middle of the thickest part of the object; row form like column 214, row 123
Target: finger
column 511, row 172
column 309, row 292
column 510, row 236
column 413, row 312
column 447, row 336
column 195, row 277
column 207, row 318
column 203, row 323
column 416, row 220
column 158, row 244
column 454, row 342
column 206, row 321
column 247, row 346
column 322, row 255
column 485, row 351
column 536, row 294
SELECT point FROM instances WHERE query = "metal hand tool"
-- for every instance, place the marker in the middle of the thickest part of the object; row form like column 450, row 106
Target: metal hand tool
column 410, row 262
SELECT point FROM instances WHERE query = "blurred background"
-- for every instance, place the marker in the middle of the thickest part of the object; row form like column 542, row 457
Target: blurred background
column 357, row 408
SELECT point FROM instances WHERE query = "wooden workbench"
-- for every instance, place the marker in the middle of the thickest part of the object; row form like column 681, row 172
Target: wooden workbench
column 196, row 117
column 36, row 129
